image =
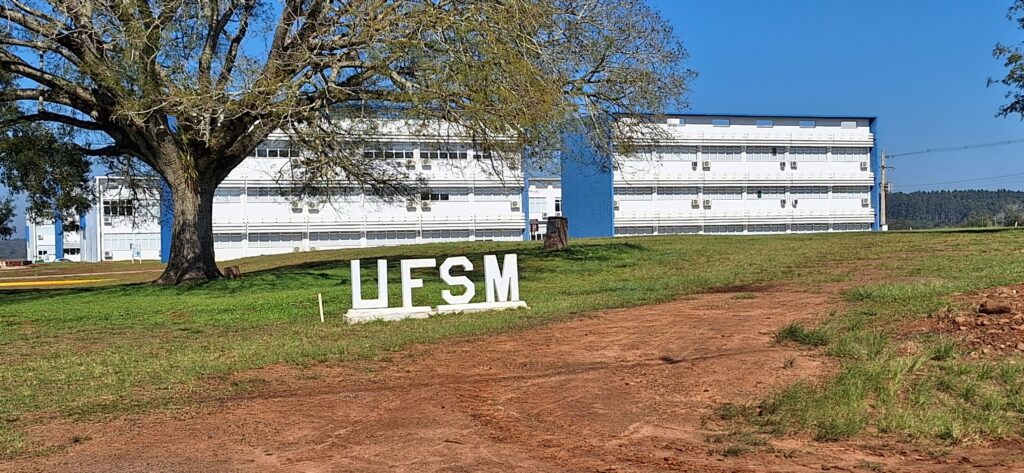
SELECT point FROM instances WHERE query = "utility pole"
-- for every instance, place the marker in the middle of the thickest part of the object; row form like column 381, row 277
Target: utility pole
column 882, row 192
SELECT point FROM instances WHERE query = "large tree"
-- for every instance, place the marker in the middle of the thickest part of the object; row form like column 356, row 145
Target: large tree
column 7, row 229
column 191, row 87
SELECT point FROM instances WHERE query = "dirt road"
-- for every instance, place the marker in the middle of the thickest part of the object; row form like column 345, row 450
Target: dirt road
column 623, row 390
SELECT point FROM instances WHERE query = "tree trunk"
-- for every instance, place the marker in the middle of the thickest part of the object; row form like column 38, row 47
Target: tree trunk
column 557, row 237
column 191, row 257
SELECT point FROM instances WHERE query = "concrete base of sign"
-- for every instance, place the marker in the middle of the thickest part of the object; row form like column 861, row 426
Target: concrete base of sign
column 354, row 316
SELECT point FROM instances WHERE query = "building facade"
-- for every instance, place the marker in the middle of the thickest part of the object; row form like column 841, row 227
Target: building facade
column 706, row 174
column 730, row 174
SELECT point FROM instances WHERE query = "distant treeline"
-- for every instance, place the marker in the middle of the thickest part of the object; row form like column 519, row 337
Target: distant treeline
column 972, row 208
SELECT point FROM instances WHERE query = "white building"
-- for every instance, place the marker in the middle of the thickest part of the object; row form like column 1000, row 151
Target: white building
column 731, row 174
column 712, row 175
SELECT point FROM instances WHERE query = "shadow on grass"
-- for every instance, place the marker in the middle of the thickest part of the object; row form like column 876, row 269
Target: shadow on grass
column 338, row 269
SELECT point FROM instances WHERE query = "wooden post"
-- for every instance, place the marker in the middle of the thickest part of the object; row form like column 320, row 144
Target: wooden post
column 557, row 237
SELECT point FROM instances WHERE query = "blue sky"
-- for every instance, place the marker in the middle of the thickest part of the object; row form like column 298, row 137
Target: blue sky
column 920, row 66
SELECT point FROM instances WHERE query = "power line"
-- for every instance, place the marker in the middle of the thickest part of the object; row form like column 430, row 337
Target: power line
column 957, row 148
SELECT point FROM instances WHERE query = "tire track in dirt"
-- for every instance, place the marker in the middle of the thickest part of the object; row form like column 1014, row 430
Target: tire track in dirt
column 619, row 390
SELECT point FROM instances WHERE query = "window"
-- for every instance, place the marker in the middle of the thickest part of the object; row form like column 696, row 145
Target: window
column 848, row 125
column 227, row 240
column 626, row 231
column 455, row 194
column 767, row 228
column 538, row 204
column 277, row 149
column 120, row 208
column 126, row 241
column 722, row 153
column 808, row 124
column 500, row 233
column 851, row 227
column 723, row 193
column 446, row 153
column 446, row 235
column 228, row 194
column 679, row 230
column 333, row 238
column 850, row 192
column 723, row 229
column 634, row 193
column 264, row 194
column 558, row 205
column 391, row 237
column 765, row 123
column 810, row 227
column 387, row 151
column 274, row 240
column 809, row 192
column 678, row 153
column 766, row 153
column 720, row 122
column 809, row 153
column 677, row 193
column 495, row 194
column 766, row 192
column 851, row 154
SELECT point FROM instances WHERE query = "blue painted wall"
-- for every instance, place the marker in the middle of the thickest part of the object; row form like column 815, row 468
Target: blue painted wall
column 876, row 168
column 526, row 208
column 166, row 222
column 587, row 189
column 58, row 235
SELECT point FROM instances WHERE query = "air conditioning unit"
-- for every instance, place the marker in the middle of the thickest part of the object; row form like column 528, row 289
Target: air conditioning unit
column 313, row 210
column 863, row 166
column 515, row 205
column 297, row 249
column 695, row 164
column 695, row 203
column 865, row 203
column 296, row 210
column 410, row 205
column 410, row 164
column 108, row 255
column 313, row 248
column 795, row 202
column 544, row 215
column 782, row 166
column 707, row 203
column 425, row 205
column 615, row 205
column 792, row 165
column 427, row 163
column 706, row 166
column 782, row 203
column 107, row 221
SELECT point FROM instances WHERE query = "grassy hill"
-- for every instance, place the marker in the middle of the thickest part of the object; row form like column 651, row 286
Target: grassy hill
column 110, row 350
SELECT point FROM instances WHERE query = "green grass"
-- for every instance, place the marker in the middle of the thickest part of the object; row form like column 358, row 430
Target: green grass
column 929, row 394
column 796, row 332
column 85, row 353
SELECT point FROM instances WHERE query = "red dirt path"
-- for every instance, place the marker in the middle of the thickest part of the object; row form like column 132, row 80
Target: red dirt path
column 622, row 390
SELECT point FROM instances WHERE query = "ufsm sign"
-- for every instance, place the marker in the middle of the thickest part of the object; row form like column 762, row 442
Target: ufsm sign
column 501, row 289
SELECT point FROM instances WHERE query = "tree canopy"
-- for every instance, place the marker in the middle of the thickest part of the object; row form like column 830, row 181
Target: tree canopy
column 191, row 87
